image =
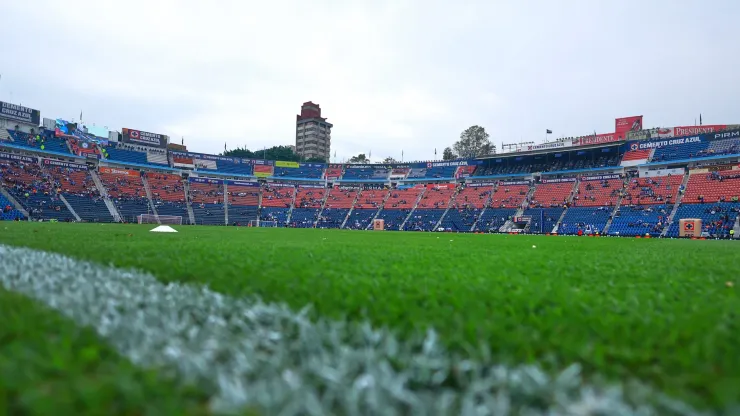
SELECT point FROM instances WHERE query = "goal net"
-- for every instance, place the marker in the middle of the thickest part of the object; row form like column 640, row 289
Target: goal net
column 262, row 223
column 163, row 219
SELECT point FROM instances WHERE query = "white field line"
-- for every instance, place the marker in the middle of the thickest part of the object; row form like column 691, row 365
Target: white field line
column 268, row 357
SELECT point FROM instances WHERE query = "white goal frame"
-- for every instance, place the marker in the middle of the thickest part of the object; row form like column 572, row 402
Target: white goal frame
column 163, row 219
column 263, row 223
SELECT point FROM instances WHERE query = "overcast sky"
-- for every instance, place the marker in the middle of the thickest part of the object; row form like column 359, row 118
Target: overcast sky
column 390, row 75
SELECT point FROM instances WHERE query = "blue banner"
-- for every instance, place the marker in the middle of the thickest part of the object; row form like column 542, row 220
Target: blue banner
column 558, row 180
column 20, row 158
column 513, row 183
column 52, row 162
column 730, row 134
column 655, row 144
column 479, row 184
column 242, row 183
column 205, row 180
column 203, row 156
column 601, row 177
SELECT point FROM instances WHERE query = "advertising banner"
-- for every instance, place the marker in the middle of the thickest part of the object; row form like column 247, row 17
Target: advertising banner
column 373, row 186
column 311, row 186
column 558, row 180
column 143, row 138
column 281, row 185
column 696, row 130
column 511, row 183
column 441, row 186
column 117, row 171
column 600, row 177
column 263, row 171
column 19, row 113
column 480, row 184
column 202, row 156
column 59, row 163
column 596, row 139
column 453, row 163
column 552, row 145
column 205, row 180
column 625, row 124
column 262, row 162
column 281, row 164
column 654, row 144
column 242, row 183
column 20, row 158
column 730, row 134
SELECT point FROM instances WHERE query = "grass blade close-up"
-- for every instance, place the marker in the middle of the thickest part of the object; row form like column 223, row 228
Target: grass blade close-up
column 520, row 324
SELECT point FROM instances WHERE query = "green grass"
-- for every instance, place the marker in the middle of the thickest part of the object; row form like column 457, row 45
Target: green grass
column 49, row 366
column 655, row 310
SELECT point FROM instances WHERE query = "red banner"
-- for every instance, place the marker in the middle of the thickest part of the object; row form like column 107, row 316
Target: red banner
column 625, row 124
column 116, row 171
column 597, row 139
column 691, row 130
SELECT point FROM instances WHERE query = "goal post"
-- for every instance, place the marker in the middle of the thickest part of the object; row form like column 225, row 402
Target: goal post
column 163, row 219
column 263, row 223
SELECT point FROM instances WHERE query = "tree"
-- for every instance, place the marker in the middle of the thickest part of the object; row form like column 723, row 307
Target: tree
column 448, row 154
column 316, row 160
column 359, row 159
column 284, row 153
column 474, row 143
column 389, row 161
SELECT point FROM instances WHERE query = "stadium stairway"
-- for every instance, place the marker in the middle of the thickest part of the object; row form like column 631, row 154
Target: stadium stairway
column 418, row 199
column 485, row 207
column 608, row 225
column 13, row 201
column 152, row 206
column 449, row 204
column 106, row 198
column 323, row 205
column 292, row 205
column 226, row 203
column 509, row 225
column 357, row 198
column 679, row 198
column 191, row 214
column 69, row 207
column 737, row 227
column 380, row 208
column 572, row 195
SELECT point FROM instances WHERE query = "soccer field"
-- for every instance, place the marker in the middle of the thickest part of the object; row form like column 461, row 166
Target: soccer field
column 659, row 312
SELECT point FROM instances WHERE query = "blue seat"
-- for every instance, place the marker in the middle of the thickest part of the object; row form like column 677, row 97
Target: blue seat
column 423, row 219
column 726, row 212
column 640, row 220
column 584, row 218
column 493, row 218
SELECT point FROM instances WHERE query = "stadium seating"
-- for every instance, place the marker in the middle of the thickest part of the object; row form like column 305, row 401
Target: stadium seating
column 509, row 196
column 393, row 217
column 637, row 155
column 243, row 203
column 447, row 172
column 598, row 193
column 166, row 187
column 127, row 193
column 416, row 173
column 338, row 204
column 43, row 140
column 80, row 192
column 7, row 211
column 403, row 198
column 277, row 214
column 543, row 219
column 34, row 190
column 237, row 168
column 460, row 219
column 333, row 173
column 551, row 195
column 423, row 219
column 717, row 218
column 305, row 172
column 697, row 150
column 652, row 190
column 368, row 203
column 123, row 155
column 436, row 198
column 712, row 187
column 372, row 173
column 588, row 219
column 308, row 203
column 493, row 218
column 207, row 202
column 636, row 220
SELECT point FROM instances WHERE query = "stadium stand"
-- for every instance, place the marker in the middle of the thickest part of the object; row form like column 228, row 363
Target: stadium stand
column 308, row 202
column 338, row 203
column 493, row 218
column 305, row 171
column 369, row 173
column 43, row 140
column 466, row 208
column 717, row 218
column 168, row 194
column 243, row 203
column 430, row 209
column 276, row 203
column 8, row 212
column 551, row 195
column 78, row 188
column 543, row 219
column 509, row 196
column 333, row 173
column 368, row 203
column 652, row 190
column 127, row 192
column 699, row 149
column 590, row 219
column 634, row 220
column 207, row 201
column 598, row 193
column 34, row 190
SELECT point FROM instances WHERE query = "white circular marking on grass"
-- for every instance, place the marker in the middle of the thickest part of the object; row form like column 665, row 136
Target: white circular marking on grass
column 269, row 357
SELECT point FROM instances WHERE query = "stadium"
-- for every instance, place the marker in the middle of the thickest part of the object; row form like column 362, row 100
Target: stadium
column 595, row 273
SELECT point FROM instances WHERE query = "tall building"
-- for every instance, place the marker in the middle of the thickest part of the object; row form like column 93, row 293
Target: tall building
column 312, row 133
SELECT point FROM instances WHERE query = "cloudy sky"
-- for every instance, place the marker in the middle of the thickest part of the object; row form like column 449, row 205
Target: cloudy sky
column 391, row 75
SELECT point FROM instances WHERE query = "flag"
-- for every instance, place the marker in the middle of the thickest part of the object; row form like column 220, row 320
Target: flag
column 401, row 154
column 80, row 115
column 548, row 131
column 435, row 151
column 183, row 140
column 700, row 119
column 224, row 146
column 335, row 154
